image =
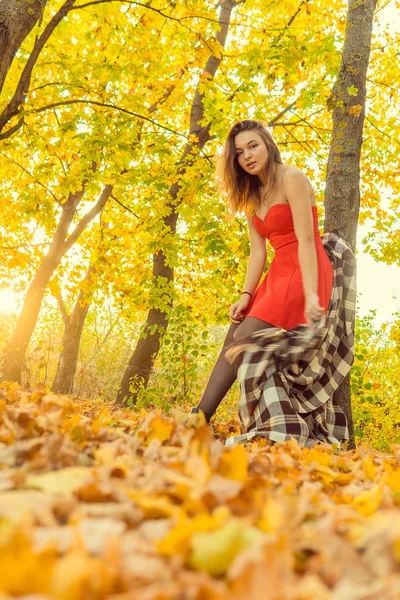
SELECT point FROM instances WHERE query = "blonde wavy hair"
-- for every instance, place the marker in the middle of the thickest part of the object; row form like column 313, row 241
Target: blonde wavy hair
column 243, row 190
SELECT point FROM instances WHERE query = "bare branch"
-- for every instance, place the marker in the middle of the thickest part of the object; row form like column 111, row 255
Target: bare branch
column 31, row 175
column 306, row 145
column 124, row 206
column 292, row 18
column 273, row 121
column 63, row 310
column 382, row 7
column 24, row 246
column 166, row 94
column 22, row 88
column 383, row 83
column 312, row 127
column 148, row 7
column 392, row 139
column 8, row 133
column 107, row 105
column 104, row 196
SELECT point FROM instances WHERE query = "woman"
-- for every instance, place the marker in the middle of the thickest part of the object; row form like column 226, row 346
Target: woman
column 279, row 202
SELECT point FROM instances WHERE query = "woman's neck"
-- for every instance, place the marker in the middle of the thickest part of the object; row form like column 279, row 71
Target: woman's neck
column 264, row 180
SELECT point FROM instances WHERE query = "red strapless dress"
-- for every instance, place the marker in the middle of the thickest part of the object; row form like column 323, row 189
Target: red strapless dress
column 279, row 299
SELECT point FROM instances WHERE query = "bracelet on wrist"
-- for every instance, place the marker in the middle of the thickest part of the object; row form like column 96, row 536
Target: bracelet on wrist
column 251, row 295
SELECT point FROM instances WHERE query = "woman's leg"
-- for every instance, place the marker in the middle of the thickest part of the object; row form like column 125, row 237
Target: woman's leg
column 224, row 373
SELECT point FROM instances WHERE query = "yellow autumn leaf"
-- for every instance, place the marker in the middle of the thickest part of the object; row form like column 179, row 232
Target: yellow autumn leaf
column 158, row 429
column 63, row 481
column 368, row 501
column 355, row 110
column 272, row 517
column 234, row 463
column 214, row 552
column 330, row 476
column 177, row 540
column 22, row 570
column 153, row 506
column 78, row 575
column 103, row 419
column 369, row 468
column 316, row 455
column 392, row 479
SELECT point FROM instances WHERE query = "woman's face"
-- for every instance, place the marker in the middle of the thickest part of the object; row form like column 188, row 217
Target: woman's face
column 251, row 151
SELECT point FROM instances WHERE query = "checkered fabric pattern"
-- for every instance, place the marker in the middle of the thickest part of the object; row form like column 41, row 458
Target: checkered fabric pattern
column 287, row 378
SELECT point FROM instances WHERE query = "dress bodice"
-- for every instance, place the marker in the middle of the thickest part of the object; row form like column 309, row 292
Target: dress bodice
column 278, row 226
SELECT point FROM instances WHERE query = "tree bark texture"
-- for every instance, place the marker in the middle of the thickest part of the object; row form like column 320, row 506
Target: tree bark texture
column 73, row 326
column 347, row 101
column 14, row 352
column 142, row 360
column 17, row 19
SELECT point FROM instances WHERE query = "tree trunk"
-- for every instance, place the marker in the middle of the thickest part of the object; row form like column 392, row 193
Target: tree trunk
column 64, row 380
column 17, row 20
column 342, row 191
column 142, row 360
column 15, row 351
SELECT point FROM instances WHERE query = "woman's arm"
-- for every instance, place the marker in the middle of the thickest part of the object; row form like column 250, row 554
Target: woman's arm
column 257, row 258
column 296, row 188
column 255, row 267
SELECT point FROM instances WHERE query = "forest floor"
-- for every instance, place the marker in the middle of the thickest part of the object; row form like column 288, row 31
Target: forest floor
column 102, row 502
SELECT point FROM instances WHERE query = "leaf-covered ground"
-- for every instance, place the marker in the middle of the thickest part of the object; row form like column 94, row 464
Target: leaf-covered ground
column 101, row 502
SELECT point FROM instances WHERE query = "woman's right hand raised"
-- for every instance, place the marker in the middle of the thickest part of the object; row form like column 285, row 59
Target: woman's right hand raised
column 236, row 310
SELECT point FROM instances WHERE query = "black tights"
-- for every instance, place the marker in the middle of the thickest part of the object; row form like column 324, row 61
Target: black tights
column 224, row 374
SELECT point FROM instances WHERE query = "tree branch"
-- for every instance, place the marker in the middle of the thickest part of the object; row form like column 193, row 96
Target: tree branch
column 8, row 133
column 63, row 309
column 273, row 121
column 307, row 146
column 307, row 124
column 148, row 7
column 124, row 206
column 107, row 105
column 33, row 177
column 392, row 139
column 102, row 201
column 13, row 107
column 24, row 246
column 22, row 88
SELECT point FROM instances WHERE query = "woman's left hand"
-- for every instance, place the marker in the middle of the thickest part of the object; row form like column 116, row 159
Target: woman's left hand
column 312, row 310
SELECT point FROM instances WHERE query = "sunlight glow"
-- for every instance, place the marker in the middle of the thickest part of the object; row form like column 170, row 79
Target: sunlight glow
column 8, row 301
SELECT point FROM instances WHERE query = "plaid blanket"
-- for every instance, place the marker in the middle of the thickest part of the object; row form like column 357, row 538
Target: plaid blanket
column 287, row 378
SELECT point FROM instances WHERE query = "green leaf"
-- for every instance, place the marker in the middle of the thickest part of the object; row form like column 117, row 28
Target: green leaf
column 352, row 91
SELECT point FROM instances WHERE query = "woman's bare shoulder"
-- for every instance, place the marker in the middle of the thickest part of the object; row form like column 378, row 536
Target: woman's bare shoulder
column 295, row 177
column 290, row 172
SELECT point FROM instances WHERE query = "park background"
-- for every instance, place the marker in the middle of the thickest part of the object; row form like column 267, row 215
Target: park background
column 107, row 116
column 118, row 266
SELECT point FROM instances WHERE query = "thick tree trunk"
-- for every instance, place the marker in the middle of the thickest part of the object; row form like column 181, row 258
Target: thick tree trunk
column 342, row 192
column 64, row 380
column 142, row 360
column 15, row 351
column 17, row 20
